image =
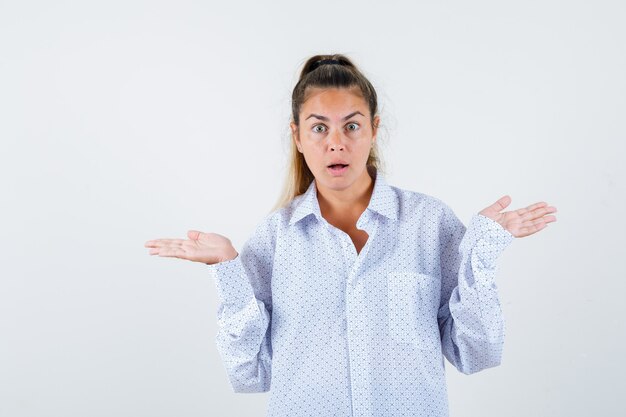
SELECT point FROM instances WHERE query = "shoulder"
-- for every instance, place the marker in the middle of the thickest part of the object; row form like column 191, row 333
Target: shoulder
column 428, row 214
column 278, row 219
column 414, row 203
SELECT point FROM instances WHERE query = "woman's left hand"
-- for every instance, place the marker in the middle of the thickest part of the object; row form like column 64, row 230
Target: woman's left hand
column 521, row 222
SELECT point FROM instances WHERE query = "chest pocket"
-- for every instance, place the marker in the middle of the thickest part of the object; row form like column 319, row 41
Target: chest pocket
column 412, row 300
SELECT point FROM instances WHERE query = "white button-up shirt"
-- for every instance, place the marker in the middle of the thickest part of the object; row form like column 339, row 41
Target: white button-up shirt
column 336, row 333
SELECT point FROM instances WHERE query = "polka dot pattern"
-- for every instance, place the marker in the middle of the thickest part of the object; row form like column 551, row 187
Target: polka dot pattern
column 334, row 332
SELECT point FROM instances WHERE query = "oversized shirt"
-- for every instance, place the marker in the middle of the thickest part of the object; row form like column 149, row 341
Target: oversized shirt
column 332, row 332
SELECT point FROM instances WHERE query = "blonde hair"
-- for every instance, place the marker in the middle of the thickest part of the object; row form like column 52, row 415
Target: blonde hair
column 340, row 73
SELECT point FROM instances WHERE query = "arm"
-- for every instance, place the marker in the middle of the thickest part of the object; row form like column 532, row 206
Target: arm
column 244, row 312
column 470, row 319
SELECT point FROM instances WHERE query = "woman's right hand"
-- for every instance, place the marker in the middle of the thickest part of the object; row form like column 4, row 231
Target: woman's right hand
column 209, row 248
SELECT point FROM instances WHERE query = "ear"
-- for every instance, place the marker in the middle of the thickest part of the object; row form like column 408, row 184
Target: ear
column 294, row 136
column 375, row 128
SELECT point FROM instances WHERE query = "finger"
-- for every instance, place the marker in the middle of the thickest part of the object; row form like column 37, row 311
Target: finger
column 190, row 245
column 546, row 210
column 536, row 205
column 499, row 205
column 502, row 203
column 549, row 219
column 538, row 213
column 529, row 212
column 540, row 223
column 161, row 251
column 194, row 234
column 163, row 242
column 532, row 207
column 172, row 252
column 532, row 227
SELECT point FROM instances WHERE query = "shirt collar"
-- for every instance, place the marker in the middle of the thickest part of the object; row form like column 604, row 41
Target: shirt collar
column 383, row 201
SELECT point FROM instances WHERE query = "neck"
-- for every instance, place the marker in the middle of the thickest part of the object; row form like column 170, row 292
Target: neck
column 349, row 202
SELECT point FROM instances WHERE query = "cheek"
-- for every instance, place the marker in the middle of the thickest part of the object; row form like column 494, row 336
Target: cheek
column 365, row 147
column 312, row 156
column 312, row 148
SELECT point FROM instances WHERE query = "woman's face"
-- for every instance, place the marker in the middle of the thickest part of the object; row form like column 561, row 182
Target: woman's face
column 335, row 130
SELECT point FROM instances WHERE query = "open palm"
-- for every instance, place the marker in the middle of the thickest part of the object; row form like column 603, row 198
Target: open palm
column 209, row 248
column 521, row 222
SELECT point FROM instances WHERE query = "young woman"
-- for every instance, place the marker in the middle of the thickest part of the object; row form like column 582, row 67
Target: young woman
column 350, row 293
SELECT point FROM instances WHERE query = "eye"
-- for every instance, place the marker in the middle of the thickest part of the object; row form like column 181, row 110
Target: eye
column 353, row 126
column 322, row 128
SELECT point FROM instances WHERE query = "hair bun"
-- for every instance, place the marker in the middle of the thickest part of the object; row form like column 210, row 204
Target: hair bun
column 325, row 61
column 329, row 61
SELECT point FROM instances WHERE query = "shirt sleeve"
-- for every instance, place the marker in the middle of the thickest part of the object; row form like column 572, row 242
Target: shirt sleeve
column 244, row 312
column 470, row 318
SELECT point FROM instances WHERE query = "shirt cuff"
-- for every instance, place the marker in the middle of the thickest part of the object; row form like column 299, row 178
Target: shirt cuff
column 231, row 281
column 486, row 238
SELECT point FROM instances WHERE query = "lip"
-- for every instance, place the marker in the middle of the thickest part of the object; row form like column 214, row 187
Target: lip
column 338, row 172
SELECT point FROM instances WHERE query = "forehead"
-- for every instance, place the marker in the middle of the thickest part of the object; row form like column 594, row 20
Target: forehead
column 333, row 101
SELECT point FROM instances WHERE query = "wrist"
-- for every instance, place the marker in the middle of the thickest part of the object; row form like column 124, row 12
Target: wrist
column 229, row 255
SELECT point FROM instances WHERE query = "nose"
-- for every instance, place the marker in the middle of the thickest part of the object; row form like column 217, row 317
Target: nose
column 334, row 142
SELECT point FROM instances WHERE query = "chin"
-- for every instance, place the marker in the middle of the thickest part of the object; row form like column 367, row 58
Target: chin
column 336, row 183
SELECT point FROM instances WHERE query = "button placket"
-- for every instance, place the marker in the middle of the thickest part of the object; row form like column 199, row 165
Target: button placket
column 357, row 331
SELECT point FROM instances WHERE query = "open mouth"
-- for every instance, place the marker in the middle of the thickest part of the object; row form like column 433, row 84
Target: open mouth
column 337, row 169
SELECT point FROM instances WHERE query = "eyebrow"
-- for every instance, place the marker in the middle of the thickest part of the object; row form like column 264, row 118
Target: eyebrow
column 326, row 118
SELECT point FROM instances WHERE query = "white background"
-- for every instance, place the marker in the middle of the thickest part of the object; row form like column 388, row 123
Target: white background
column 124, row 121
